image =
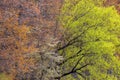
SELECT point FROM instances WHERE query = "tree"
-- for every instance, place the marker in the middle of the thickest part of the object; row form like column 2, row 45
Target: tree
column 14, row 47
column 40, row 16
column 91, row 41
column 47, row 36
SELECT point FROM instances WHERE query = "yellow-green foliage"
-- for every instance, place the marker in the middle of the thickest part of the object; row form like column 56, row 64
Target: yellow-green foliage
column 5, row 77
column 98, row 29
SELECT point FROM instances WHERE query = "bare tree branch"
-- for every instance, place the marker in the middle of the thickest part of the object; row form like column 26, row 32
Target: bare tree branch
column 73, row 71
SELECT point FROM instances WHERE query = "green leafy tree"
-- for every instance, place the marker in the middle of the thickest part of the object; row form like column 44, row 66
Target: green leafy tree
column 91, row 41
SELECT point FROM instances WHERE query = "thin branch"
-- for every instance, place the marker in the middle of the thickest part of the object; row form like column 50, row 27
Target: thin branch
column 77, row 63
column 82, row 67
column 71, row 57
column 72, row 41
column 81, row 75
column 73, row 71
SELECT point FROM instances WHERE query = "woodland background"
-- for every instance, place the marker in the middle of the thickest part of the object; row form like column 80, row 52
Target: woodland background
column 59, row 39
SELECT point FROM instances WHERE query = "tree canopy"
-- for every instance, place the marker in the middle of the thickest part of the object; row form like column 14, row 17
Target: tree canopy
column 91, row 41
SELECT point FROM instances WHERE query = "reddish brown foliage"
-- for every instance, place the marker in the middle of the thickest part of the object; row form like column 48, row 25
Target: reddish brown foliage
column 22, row 23
column 14, row 47
column 14, row 40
